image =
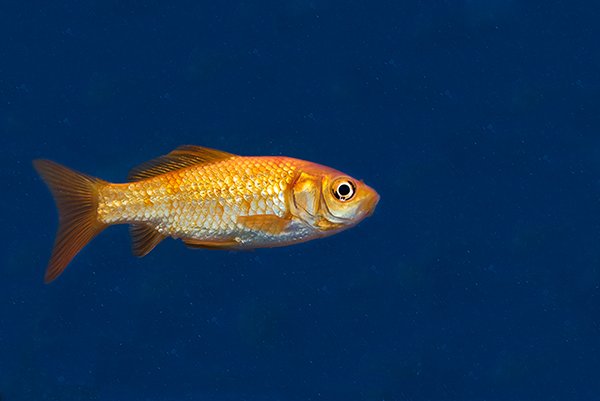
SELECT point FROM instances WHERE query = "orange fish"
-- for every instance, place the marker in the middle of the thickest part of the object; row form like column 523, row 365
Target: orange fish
column 208, row 199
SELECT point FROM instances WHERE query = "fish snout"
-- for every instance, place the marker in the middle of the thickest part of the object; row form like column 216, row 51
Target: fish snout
column 372, row 204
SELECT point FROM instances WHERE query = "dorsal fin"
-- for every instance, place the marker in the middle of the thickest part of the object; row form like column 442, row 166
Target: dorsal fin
column 182, row 157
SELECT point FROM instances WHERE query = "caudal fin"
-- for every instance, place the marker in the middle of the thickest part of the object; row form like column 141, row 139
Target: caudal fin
column 76, row 197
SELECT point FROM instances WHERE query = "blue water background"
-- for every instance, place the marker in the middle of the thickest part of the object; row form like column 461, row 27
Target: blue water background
column 478, row 277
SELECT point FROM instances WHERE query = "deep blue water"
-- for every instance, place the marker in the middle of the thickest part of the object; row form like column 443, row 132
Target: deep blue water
column 478, row 277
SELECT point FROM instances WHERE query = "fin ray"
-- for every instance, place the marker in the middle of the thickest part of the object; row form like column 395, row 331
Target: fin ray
column 144, row 238
column 182, row 157
column 224, row 244
column 75, row 195
column 268, row 223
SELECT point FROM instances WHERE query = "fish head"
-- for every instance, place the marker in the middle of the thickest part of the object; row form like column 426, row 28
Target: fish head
column 330, row 200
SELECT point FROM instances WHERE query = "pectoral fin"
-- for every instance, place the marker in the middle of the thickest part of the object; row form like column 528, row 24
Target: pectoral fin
column 268, row 223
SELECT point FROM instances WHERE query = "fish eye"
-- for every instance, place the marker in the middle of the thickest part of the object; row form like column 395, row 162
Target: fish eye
column 343, row 189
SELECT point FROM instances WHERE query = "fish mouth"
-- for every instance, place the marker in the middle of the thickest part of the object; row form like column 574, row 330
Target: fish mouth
column 372, row 204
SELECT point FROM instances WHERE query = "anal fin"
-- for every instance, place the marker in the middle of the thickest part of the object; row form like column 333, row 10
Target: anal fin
column 144, row 238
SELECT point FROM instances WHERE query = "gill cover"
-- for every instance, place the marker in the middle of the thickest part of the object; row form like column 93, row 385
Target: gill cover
column 309, row 202
column 306, row 193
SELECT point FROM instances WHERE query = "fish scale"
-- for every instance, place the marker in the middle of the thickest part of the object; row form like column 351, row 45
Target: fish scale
column 202, row 200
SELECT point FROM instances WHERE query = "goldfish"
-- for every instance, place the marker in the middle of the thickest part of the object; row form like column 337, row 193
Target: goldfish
column 207, row 198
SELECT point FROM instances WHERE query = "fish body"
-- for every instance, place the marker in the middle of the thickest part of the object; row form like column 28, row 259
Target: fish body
column 208, row 199
column 205, row 202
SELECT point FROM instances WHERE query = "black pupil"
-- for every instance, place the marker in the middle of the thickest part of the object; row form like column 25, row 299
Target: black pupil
column 344, row 189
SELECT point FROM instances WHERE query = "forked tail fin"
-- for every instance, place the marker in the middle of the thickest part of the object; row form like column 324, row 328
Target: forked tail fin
column 76, row 197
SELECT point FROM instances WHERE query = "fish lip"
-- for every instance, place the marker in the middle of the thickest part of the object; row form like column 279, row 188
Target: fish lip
column 373, row 204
